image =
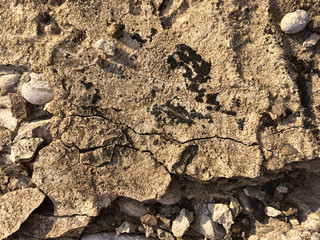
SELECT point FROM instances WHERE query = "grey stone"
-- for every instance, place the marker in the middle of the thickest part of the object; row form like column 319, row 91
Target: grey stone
column 181, row 223
column 132, row 207
column 111, row 236
column 254, row 193
column 204, row 225
column 245, row 202
column 12, row 110
column 294, row 22
column 235, row 207
column 282, row 189
column 25, row 149
column 126, row 227
column 221, row 214
column 37, row 90
column 106, row 47
column 15, row 208
column 272, row 212
column 7, row 119
column 312, row 40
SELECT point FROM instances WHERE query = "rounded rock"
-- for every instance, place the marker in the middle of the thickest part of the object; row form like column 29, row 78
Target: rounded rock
column 37, row 91
column 294, row 22
column 272, row 212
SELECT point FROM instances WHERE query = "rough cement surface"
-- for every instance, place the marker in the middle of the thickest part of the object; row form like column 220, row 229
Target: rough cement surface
column 175, row 104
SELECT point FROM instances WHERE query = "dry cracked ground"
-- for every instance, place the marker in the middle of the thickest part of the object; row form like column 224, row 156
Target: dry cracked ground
column 160, row 119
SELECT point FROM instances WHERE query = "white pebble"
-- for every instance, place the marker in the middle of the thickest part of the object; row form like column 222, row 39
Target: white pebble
column 282, row 189
column 37, row 91
column 312, row 40
column 221, row 214
column 108, row 48
column 7, row 120
column 272, row 212
column 294, row 22
column 182, row 222
column 132, row 207
column 8, row 81
column 126, row 227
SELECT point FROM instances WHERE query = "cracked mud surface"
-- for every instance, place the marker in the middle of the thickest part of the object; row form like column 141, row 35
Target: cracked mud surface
column 186, row 105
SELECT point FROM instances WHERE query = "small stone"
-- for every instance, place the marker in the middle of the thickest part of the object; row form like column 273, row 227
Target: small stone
column 148, row 230
column 25, row 149
column 314, row 24
column 149, row 223
column 182, row 222
column 108, row 48
column 132, row 207
column 7, row 120
column 294, row 221
column 8, row 81
column 165, row 223
column 208, row 228
column 254, row 193
column 245, row 202
column 294, row 22
column 163, row 235
column 312, row 40
column 222, row 214
column 235, row 207
column 272, row 212
column 149, row 220
column 105, row 200
column 110, row 236
column 126, row 227
column 37, row 91
column 282, row 189
column 172, row 195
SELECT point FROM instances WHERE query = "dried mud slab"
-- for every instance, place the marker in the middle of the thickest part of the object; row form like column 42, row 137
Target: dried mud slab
column 175, row 104
column 15, row 208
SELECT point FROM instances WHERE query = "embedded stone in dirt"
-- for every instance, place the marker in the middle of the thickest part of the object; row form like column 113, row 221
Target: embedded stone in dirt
column 111, row 236
column 272, row 212
column 312, row 40
column 37, row 90
column 221, row 214
column 294, row 22
column 132, row 207
column 107, row 48
column 182, row 222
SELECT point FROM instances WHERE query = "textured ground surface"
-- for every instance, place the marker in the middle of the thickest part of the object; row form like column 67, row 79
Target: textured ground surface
column 188, row 104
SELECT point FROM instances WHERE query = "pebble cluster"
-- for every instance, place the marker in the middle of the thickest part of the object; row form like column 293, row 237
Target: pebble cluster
column 295, row 22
